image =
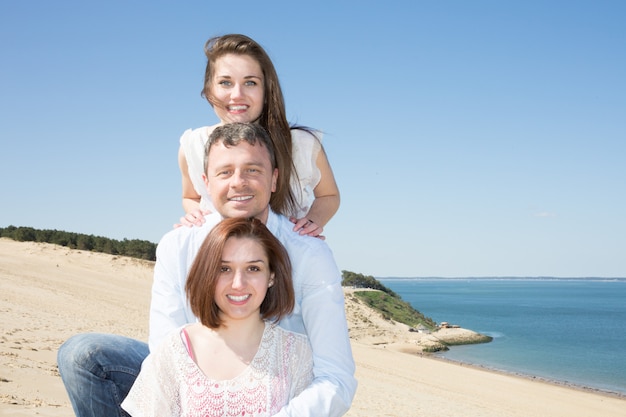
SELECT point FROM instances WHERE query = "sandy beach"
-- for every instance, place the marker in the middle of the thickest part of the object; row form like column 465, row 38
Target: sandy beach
column 48, row 293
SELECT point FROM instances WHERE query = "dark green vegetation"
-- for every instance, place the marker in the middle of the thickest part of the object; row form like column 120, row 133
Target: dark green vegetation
column 134, row 248
column 390, row 305
column 353, row 279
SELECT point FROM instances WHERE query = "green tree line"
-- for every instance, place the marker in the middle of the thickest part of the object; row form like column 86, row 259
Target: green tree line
column 134, row 248
column 356, row 280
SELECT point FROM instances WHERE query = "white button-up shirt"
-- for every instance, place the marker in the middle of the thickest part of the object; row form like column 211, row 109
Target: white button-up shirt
column 319, row 309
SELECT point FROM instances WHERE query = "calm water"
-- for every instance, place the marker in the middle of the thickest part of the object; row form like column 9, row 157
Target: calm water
column 572, row 331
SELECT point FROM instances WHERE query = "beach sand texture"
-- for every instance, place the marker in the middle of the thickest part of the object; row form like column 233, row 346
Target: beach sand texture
column 48, row 293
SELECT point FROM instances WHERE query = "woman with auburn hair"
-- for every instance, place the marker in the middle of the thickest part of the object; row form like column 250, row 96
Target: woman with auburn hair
column 236, row 361
column 241, row 85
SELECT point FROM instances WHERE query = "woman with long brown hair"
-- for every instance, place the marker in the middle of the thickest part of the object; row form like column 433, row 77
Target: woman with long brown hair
column 241, row 85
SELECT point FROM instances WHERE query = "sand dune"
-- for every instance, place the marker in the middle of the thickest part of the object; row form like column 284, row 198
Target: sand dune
column 48, row 293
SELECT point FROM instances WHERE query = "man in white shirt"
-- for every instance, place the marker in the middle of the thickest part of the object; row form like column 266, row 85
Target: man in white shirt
column 241, row 175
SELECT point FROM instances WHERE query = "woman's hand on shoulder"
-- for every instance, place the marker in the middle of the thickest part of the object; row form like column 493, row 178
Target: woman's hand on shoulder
column 307, row 227
column 193, row 218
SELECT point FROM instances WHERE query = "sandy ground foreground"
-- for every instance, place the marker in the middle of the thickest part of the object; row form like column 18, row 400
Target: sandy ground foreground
column 48, row 293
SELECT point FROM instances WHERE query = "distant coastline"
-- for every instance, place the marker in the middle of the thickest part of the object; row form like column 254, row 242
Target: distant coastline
column 530, row 377
column 561, row 330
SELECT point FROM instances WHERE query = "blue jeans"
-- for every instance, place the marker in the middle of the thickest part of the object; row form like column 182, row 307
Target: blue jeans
column 98, row 370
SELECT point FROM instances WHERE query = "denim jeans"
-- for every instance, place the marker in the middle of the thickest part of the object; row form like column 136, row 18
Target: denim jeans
column 98, row 370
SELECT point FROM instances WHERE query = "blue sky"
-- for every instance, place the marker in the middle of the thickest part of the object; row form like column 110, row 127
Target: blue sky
column 468, row 138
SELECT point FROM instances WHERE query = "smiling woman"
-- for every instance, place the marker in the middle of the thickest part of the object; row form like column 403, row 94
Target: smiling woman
column 241, row 85
column 236, row 359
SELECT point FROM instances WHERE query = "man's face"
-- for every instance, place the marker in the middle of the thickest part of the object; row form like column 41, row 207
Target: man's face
column 240, row 180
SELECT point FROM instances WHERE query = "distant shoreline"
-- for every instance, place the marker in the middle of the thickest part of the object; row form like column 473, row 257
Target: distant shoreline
column 532, row 322
column 579, row 387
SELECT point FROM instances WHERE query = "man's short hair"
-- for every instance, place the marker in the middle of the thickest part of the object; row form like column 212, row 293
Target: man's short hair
column 232, row 134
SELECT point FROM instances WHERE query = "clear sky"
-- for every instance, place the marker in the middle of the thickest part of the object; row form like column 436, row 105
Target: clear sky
column 468, row 138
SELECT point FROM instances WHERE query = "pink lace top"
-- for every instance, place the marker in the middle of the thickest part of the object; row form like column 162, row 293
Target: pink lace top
column 171, row 384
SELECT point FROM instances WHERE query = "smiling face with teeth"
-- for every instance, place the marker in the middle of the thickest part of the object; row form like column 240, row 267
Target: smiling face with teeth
column 231, row 272
column 244, row 278
column 237, row 89
column 240, row 179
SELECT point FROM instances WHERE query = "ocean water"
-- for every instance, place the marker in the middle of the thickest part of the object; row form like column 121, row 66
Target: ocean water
column 566, row 330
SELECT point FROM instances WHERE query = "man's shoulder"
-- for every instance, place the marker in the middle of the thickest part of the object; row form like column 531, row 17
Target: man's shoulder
column 184, row 236
column 282, row 228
